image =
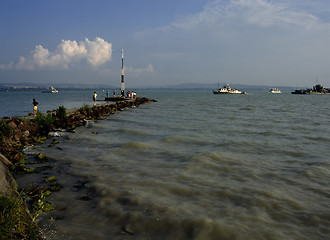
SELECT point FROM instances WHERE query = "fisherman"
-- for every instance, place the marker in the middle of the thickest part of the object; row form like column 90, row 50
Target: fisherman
column 35, row 106
column 94, row 98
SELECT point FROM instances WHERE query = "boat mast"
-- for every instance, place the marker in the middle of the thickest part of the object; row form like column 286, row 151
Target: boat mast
column 122, row 73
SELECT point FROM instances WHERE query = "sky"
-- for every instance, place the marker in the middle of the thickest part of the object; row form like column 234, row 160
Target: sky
column 252, row 42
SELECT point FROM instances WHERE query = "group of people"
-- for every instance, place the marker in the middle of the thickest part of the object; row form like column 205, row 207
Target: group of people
column 129, row 95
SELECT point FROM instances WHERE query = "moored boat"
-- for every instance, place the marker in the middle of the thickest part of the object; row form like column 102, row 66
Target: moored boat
column 317, row 89
column 275, row 90
column 228, row 90
column 51, row 89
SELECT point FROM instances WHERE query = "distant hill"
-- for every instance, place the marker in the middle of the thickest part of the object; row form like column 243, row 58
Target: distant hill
column 243, row 87
column 24, row 86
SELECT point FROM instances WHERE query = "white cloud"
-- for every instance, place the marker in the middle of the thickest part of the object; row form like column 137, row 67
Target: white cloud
column 98, row 52
column 246, row 40
column 68, row 52
column 254, row 12
column 268, row 13
column 148, row 69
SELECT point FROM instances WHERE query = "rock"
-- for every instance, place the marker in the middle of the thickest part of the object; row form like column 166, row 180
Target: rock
column 41, row 157
column 33, row 129
column 51, row 128
column 23, row 126
column 13, row 125
column 127, row 229
column 18, row 135
column 85, row 198
column 18, row 157
column 54, row 134
column 51, row 179
column 26, row 133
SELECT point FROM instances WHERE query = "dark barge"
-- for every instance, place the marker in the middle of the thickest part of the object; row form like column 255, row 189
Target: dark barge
column 317, row 89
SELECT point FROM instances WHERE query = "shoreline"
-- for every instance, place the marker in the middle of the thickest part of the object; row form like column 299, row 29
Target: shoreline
column 16, row 133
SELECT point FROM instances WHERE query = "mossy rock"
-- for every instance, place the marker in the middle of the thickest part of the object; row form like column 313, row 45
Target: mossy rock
column 55, row 187
column 51, row 179
column 41, row 140
column 29, row 170
column 41, row 157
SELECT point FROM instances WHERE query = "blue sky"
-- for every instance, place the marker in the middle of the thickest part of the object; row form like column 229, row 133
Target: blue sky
column 254, row 42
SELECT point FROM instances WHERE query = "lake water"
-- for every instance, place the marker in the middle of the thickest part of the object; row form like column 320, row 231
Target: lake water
column 193, row 165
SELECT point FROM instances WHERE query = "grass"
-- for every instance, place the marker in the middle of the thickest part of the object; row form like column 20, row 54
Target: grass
column 15, row 222
column 85, row 107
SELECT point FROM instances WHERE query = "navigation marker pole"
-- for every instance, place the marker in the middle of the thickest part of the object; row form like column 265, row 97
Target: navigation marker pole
column 122, row 74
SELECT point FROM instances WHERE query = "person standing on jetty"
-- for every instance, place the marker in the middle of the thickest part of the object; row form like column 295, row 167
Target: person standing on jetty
column 94, row 98
column 35, row 106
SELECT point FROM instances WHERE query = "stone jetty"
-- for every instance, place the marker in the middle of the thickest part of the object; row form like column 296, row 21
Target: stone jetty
column 16, row 220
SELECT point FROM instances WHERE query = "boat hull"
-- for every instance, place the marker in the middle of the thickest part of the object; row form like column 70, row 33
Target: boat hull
column 228, row 90
column 225, row 93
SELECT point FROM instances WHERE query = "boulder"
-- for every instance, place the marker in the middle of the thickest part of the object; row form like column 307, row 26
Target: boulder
column 23, row 126
column 13, row 125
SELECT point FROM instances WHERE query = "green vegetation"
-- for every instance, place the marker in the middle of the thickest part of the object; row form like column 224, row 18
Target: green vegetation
column 55, row 187
column 41, row 140
column 41, row 157
column 35, row 198
column 51, row 179
column 19, row 164
column 5, row 129
column 44, row 119
column 85, row 107
column 20, row 119
column 61, row 112
column 15, row 223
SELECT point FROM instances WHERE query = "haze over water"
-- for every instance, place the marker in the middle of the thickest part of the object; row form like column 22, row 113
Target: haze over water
column 196, row 166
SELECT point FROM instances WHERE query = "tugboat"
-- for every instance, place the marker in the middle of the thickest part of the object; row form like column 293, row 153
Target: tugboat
column 275, row 90
column 317, row 89
column 51, row 89
column 228, row 90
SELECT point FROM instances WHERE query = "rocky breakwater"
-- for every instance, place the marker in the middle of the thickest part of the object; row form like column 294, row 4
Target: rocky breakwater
column 19, row 210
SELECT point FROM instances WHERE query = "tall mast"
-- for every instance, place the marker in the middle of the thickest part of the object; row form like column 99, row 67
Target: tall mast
column 122, row 74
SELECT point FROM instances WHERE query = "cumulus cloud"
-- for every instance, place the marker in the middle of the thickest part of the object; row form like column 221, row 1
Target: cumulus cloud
column 68, row 52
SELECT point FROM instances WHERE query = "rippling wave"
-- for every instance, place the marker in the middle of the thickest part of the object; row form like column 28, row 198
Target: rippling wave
column 197, row 166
